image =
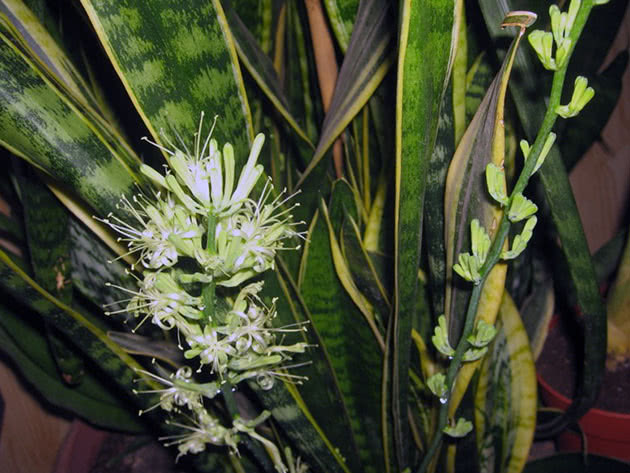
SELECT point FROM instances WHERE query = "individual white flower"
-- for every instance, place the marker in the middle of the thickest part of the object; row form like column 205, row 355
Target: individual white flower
column 211, row 349
column 205, row 429
column 162, row 299
column 180, row 390
column 158, row 230
column 204, row 178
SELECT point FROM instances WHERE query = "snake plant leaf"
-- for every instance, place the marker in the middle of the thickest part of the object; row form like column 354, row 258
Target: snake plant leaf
column 434, row 202
column 342, row 15
column 320, row 392
column 369, row 57
column 368, row 268
column 24, row 342
column 347, row 281
column 44, row 125
column 175, row 61
column 45, row 45
column 290, row 411
column 261, row 69
column 163, row 350
column 424, row 61
column 49, row 251
column 354, row 352
column 506, row 396
column 567, row 223
column 537, row 309
column 89, row 278
column 88, row 337
column 466, row 196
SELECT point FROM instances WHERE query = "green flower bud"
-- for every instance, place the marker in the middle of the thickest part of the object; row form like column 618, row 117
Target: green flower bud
column 482, row 335
column 461, row 429
column 520, row 241
column 440, row 338
column 521, row 208
column 581, row 96
column 437, row 385
column 543, row 45
column 495, row 181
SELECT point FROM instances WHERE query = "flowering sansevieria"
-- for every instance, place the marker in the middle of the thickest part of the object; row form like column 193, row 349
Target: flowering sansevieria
column 199, row 238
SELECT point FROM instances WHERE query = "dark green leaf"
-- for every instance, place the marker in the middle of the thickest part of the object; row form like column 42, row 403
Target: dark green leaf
column 26, row 344
column 423, row 63
column 346, row 337
column 176, row 60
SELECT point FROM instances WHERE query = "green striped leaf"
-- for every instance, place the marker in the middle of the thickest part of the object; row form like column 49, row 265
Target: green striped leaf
column 367, row 60
column 261, row 69
column 87, row 336
column 506, row 396
column 289, row 410
column 567, row 223
column 320, row 393
column 175, row 61
column 45, row 46
column 49, row 250
column 341, row 15
column 425, row 42
column 44, row 125
column 538, row 307
column 346, row 337
column 25, row 342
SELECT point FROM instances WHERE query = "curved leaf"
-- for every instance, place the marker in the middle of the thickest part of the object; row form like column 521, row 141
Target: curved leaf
column 87, row 336
column 319, row 394
column 92, row 400
column 48, row 128
column 43, row 44
column 288, row 409
column 567, row 223
column 346, row 337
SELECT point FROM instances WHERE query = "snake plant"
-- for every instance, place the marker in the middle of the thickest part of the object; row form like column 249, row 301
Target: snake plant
column 295, row 235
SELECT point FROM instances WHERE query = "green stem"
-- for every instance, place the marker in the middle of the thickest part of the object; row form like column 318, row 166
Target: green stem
column 494, row 254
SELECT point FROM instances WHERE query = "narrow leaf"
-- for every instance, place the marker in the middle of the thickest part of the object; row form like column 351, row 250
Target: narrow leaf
column 367, row 60
column 424, row 59
column 261, row 69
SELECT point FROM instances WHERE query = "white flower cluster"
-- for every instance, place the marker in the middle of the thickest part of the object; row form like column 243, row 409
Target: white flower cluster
column 199, row 239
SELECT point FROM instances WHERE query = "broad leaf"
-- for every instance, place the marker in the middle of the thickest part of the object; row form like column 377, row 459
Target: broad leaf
column 320, row 392
column 176, row 60
column 41, row 123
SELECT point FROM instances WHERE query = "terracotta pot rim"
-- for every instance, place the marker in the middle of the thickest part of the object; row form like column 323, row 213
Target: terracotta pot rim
column 593, row 411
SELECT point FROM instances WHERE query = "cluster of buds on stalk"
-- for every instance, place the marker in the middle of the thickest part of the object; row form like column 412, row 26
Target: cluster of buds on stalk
column 199, row 240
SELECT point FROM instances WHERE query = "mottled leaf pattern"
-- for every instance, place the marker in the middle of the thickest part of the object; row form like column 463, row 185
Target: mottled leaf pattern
column 425, row 42
column 176, row 60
